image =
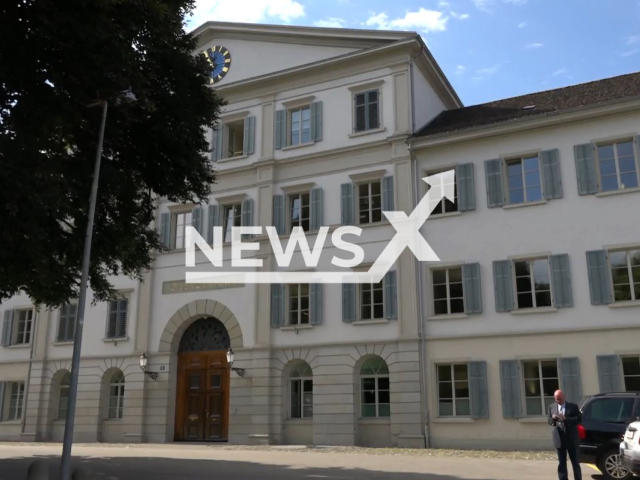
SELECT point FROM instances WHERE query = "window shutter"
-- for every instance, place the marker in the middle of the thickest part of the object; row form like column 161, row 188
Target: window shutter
column 346, row 198
column 121, row 324
column 472, row 289
column 551, row 174
column 213, row 222
column 598, row 277
column 277, row 305
column 495, row 185
column 586, row 168
column 387, row 193
column 570, row 379
column 348, row 302
column 510, row 387
column 7, row 328
column 390, row 294
column 561, row 280
column 316, row 209
column 196, row 219
column 2, row 389
column 503, row 285
column 165, row 229
column 278, row 214
column 113, row 319
column 246, row 216
column 316, row 303
column 373, row 113
column 478, row 391
column 609, row 375
column 316, row 121
column 465, row 178
column 281, row 129
column 62, row 323
column 361, row 112
column 248, row 139
column 218, row 143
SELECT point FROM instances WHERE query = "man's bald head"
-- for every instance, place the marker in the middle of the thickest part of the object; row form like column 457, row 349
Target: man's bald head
column 559, row 397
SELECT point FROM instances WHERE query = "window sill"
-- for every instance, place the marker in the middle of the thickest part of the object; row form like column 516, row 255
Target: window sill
column 112, row 420
column 115, row 340
column 300, row 145
column 378, row 321
column 19, row 346
column 532, row 311
column 453, row 316
column 444, row 215
column 453, row 420
column 367, row 132
column 625, row 304
column 299, row 421
column 533, row 420
column 63, row 343
column 525, row 204
column 369, row 225
column 10, row 422
column 231, row 159
column 374, row 420
column 618, row 192
column 291, row 328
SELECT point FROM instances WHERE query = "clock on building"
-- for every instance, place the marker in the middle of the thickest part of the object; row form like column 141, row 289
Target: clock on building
column 220, row 60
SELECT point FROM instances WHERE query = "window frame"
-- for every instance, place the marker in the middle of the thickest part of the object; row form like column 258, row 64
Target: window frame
column 66, row 387
column 514, row 282
column 6, row 415
column 369, row 183
column 289, row 118
column 227, row 135
column 306, row 376
column 453, row 382
column 365, row 91
column 121, row 294
column 290, row 197
column 444, row 200
column 523, row 384
column 236, row 217
column 66, row 340
column 119, row 396
column 614, row 142
column 377, row 390
column 625, row 376
column 632, row 281
column 505, row 168
column 360, row 303
column 288, row 309
column 432, row 286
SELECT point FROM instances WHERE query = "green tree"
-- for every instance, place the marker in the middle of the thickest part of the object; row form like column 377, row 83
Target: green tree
column 56, row 57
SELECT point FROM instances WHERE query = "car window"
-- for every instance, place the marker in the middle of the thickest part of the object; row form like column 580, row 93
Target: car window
column 609, row 410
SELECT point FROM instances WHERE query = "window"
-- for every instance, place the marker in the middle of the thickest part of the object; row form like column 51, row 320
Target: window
column 63, row 396
column 299, row 304
column 367, row 111
column 540, row 383
column 116, row 396
column 300, row 126
column 448, row 294
column 611, row 410
column 232, row 218
column 617, row 166
column 625, row 275
column 17, row 326
column 13, row 401
column 444, row 205
column 301, row 391
column 25, row 322
column 533, row 287
column 371, row 300
column 299, row 211
column 117, row 318
column 182, row 220
column 453, row 390
column 370, row 202
column 67, row 323
column 631, row 373
column 524, row 180
column 235, row 139
column 374, row 387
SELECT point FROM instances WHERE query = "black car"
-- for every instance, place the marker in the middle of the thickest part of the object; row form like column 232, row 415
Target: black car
column 604, row 420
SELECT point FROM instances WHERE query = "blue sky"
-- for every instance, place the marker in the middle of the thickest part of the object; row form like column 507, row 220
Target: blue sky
column 489, row 49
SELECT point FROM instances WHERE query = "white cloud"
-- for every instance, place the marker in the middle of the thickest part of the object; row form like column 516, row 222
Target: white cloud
column 559, row 72
column 534, row 45
column 424, row 20
column 628, row 53
column 460, row 16
column 488, row 70
column 248, row 11
column 522, row 24
column 330, row 23
column 485, row 4
column 460, row 69
column 631, row 39
column 443, row 4
column 515, row 2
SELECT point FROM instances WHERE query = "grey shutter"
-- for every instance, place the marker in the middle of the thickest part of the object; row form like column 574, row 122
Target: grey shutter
column 316, row 303
column 347, row 205
column 387, row 193
column 165, row 229
column 551, row 174
column 503, row 285
column 586, row 168
column 278, row 214
column 246, row 215
column 561, row 280
column 360, row 108
column 478, row 391
column 213, row 222
column 248, row 140
column 472, row 288
column 7, row 328
column 281, row 129
column 465, row 180
column 121, row 323
column 495, row 185
column 609, row 376
column 63, row 322
column 598, row 277
column 113, row 319
column 218, row 143
column 2, row 389
column 510, row 388
column 277, row 305
column 570, row 380
column 390, row 294
column 196, row 219
column 348, row 302
column 373, row 113
column 316, row 121
column 316, row 209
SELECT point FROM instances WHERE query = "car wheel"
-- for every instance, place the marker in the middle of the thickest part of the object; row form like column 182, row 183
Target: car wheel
column 612, row 468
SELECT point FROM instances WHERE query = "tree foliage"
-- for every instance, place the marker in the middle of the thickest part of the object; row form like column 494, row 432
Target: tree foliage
column 57, row 57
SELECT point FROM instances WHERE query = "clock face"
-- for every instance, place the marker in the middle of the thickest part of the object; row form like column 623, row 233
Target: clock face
column 220, row 60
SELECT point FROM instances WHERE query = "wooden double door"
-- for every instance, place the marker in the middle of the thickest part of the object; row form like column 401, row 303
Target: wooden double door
column 202, row 406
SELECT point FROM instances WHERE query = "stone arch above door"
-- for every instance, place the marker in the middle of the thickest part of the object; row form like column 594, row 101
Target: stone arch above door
column 183, row 318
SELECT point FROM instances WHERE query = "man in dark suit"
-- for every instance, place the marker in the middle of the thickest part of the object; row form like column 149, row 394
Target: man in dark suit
column 565, row 417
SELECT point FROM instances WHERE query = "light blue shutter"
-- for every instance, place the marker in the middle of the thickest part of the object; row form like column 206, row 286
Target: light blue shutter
column 586, row 168
column 281, row 129
column 598, row 277
column 217, row 143
column 121, row 325
column 7, row 328
column 510, row 388
column 316, row 303
column 609, row 375
column 277, row 305
column 165, row 229
column 561, row 280
column 316, row 121
column 570, row 381
column 246, row 215
column 348, row 302
column 551, row 174
column 316, row 209
column 248, row 140
column 278, row 214
column 478, row 391
column 472, row 288
column 213, row 222
column 495, row 185
column 502, row 285
column 347, row 205
column 196, row 219
column 465, row 179
column 390, row 294
column 387, row 193
column 2, row 388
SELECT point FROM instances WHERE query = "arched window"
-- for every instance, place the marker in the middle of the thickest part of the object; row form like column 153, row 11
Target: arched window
column 63, row 396
column 116, row 395
column 374, row 388
column 301, row 391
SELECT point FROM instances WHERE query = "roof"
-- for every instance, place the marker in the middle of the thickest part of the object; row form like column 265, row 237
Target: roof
column 534, row 104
